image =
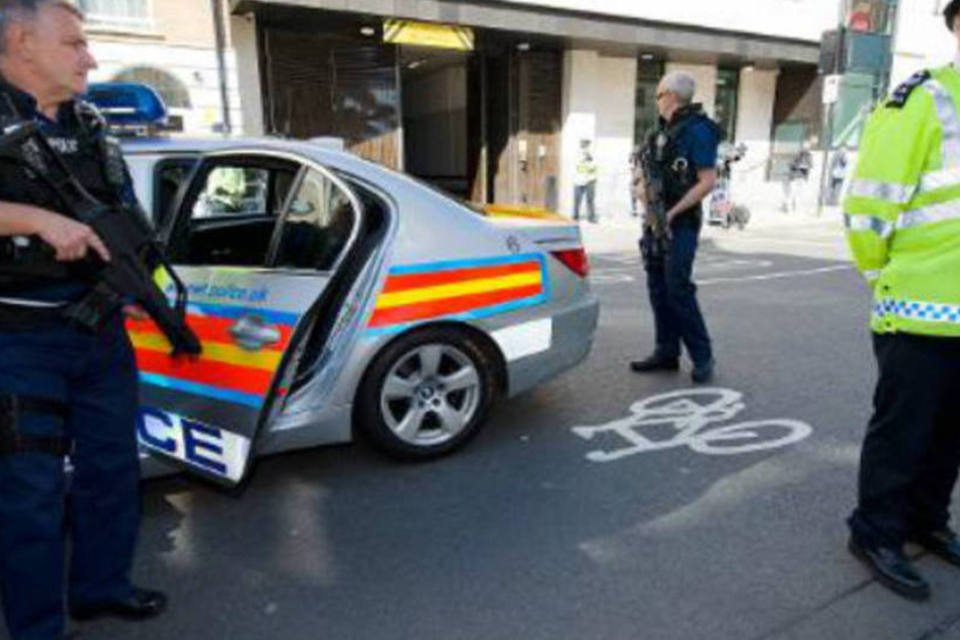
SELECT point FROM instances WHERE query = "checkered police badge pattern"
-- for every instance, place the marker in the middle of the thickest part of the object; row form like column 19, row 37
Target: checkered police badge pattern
column 924, row 311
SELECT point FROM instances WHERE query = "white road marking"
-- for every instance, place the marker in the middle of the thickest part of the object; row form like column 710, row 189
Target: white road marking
column 616, row 276
column 690, row 412
column 778, row 275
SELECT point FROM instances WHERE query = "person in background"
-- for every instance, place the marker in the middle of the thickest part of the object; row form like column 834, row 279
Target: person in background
column 585, row 183
column 798, row 171
column 838, row 173
column 636, row 183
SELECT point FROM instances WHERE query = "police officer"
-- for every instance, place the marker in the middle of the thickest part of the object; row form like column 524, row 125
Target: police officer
column 903, row 226
column 685, row 147
column 585, row 183
column 63, row 388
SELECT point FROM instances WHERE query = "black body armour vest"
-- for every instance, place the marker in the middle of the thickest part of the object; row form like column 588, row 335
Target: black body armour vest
column 678, row 171
column 81, row 139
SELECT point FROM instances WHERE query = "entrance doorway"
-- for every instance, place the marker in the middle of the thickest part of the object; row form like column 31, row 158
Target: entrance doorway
column 434, row 97
column 483, row 125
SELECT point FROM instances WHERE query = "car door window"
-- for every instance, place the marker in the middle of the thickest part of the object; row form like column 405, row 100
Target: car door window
column 317, row 226
column 169, row 176
column 233, row 191
column 233, row 214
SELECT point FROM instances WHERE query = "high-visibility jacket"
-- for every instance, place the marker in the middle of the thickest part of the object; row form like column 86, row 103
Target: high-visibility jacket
column 902, row 210
column 586, row 171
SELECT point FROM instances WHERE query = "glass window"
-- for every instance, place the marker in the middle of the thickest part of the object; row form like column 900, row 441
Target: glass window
column 233, row 190
column 169, row 176
column 132, row 13
column 233, row 215
column 725, row 108
column 649, row 73
column 317, row 226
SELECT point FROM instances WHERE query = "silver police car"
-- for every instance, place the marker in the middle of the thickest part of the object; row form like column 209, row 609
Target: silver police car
column 334, row 296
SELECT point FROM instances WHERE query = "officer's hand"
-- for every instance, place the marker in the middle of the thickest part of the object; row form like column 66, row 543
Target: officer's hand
column 71, row 240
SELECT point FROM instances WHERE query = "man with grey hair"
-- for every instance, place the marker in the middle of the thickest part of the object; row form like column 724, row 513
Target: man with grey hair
column 67, row 387
column 683, row 150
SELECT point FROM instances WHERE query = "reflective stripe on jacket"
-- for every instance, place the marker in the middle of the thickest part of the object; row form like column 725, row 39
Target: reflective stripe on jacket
column 902, row 210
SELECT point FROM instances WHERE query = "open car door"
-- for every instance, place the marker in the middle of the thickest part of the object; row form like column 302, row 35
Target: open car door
column 256, row 238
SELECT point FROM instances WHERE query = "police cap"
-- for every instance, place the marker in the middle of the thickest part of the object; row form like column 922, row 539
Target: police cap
column 950, row 12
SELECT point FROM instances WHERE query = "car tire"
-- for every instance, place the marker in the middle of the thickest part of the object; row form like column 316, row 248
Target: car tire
column 426, row 394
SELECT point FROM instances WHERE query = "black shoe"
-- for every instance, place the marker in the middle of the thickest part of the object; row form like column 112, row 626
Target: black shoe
column 892, row 569
column 655, row 363
column 143, row 604
column 942, row 542
column 703, row 373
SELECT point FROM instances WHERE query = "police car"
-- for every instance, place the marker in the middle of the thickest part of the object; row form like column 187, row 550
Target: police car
column 335, row 297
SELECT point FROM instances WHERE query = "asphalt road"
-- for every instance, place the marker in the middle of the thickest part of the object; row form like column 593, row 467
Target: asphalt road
column 537, row 532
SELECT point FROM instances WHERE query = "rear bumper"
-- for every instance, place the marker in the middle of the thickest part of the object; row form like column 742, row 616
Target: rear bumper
column 573, row 331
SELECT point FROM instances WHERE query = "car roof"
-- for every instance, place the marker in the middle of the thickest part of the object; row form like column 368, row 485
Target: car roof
column 168, row 145
column 325, row 151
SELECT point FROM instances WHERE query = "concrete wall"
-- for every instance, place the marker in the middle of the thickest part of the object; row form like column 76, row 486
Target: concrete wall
column 195, row 67
column 186, row 21
column 922, row 40
column 807, row 18
column 755, row 123
column 244, row 32
column 180, row 41
column 598, row 105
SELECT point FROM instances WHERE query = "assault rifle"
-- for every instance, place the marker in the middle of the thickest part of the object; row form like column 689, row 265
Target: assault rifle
column 127, row 277
column 653, row 190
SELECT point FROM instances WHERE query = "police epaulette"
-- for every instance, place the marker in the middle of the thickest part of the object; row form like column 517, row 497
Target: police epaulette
column 899, row 97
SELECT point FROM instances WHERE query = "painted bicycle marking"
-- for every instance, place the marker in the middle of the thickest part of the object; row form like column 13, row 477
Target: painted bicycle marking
column 698, row 418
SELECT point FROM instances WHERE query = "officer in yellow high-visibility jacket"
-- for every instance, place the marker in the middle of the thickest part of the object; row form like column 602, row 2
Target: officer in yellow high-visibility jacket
column 902, row 215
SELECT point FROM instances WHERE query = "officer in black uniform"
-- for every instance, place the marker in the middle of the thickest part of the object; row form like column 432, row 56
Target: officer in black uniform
column 64, row 388
column 684, row 146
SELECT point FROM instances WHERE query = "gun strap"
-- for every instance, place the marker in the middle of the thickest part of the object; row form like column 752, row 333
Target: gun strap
column 94, row 310
column 13, row 442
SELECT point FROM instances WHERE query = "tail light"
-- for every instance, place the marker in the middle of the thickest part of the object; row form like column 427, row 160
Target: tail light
column 575, row 260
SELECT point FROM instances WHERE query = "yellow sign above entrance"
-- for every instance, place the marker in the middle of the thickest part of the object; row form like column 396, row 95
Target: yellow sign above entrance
column 428, row 34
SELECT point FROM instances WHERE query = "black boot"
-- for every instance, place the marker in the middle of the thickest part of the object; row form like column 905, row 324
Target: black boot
column 703, row 373
column 941, row 542
column 892, row 569
column 143, row 604
column 655, row 362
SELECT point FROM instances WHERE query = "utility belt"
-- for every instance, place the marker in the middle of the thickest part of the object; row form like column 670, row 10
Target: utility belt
column 13, row 442
column 91, row 312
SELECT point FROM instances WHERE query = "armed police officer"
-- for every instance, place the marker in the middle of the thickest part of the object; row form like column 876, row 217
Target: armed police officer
column 65, row 388
column 681, row 155
column 903, row 226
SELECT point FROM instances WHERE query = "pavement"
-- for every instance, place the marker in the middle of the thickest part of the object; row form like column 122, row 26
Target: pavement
column 602, row 505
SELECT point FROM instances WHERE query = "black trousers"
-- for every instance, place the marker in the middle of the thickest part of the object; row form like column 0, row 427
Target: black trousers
column 911, row 452
column 673, row 295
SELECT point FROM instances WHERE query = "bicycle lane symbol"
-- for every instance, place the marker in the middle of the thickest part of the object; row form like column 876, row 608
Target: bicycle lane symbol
column 697, row 416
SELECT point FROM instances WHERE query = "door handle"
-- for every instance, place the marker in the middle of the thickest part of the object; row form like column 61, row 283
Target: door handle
column 253, row 334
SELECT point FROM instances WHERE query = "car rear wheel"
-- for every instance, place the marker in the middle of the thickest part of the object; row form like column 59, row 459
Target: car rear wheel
column 426, row 394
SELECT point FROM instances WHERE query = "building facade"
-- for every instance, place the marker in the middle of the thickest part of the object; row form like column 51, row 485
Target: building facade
column 921, row 40
column 169, row 44
column 499, row 115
